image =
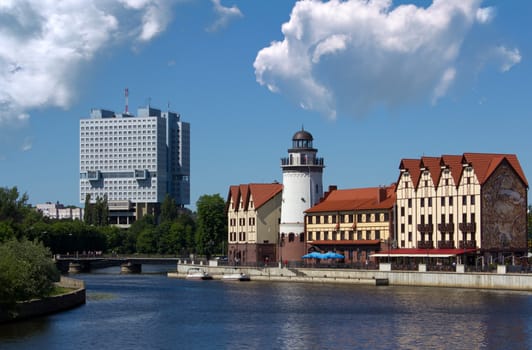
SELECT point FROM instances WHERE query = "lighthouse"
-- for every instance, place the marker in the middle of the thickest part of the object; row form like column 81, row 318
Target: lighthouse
column 302, row 189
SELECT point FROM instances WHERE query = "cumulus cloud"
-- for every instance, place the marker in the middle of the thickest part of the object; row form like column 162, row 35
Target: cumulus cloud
column 350, row 56
column 45, row 44
column 224, row 15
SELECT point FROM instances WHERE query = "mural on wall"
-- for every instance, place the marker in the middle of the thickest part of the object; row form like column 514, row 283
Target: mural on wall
column 504, row 210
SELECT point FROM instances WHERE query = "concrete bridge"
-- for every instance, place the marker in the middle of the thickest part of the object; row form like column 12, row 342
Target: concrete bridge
column 128, row 264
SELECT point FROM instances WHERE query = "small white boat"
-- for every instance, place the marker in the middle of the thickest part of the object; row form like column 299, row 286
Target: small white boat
column 236, row 277
column 197, row 274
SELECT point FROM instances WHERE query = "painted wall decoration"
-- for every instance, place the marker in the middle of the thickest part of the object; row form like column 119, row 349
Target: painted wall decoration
column 504, row 211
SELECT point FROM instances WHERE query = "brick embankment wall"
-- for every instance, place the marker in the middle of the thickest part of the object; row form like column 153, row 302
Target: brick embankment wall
column 49, row 305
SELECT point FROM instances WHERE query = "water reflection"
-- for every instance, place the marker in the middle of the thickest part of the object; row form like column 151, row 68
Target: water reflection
column 152, row 311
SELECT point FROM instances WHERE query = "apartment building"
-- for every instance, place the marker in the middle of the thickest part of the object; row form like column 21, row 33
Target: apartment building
column 134, row 161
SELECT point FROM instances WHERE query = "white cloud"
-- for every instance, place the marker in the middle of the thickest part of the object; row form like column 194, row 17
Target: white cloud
column 224, row 15
column 347, row 57
column 485, row 15
column 507, row 58
column 44, row 45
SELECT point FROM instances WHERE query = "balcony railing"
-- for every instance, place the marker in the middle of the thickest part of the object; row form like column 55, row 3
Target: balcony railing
column 468, row 226
column 302, row 161
column 446, row 244
column 468, row 244
column 449, row 227
column 425, row 227
column 425, row 244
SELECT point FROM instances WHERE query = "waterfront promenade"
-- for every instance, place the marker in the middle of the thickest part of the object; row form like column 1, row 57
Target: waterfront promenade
column 499, row 280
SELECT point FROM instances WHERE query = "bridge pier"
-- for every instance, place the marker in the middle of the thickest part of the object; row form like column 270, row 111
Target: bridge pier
column 77, row 267
column 130, row 267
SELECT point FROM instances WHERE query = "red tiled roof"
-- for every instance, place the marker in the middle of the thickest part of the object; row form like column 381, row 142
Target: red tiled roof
column 432, row 164
column 484, row 164
column 261, row 193
column 454, row 163
column 413, row 168
column 356, row 199
column 347, row 242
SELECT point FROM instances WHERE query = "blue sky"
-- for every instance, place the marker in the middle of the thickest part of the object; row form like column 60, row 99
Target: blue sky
column 374, row 82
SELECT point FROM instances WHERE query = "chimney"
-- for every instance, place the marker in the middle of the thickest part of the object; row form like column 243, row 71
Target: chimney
column 381, row 194
column 326, row 194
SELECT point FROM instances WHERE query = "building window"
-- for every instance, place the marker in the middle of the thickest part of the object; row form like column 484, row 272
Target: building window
column 402, row 211
column 422, row 202
column 410, row 202
column 402, row 228
column 386, row 217
column 333, row 217
column 472, row 200
column 291, row 237
column 430, row 202
column 410, row 219
column 450, row 218
column 464, row 200
column 443, row 201
column 359, row 235
column 409, row 238
column 377, row 234
column 450, row 201
column 359, row 217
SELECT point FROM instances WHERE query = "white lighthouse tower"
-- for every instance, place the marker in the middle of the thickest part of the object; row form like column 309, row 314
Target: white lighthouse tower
column 302, row 189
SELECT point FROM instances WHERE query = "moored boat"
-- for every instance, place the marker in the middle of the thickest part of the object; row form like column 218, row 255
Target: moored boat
column 197, row 274
column 236, row 277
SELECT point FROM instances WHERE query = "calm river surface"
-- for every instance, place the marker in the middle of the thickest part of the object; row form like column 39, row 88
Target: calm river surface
column 151, row 311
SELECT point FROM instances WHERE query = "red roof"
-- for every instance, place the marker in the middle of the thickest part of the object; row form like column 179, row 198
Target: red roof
column 356, row 199
column 261, row 193
column 484, row 164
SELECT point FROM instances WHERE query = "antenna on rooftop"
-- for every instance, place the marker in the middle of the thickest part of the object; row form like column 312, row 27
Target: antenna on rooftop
column 126, row 94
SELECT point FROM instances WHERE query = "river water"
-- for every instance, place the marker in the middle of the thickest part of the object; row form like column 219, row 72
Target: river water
column 151, row 311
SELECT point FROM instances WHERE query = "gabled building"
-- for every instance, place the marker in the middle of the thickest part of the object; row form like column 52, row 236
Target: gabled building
column 353, row 222
column 253, row 214
column 470, row 204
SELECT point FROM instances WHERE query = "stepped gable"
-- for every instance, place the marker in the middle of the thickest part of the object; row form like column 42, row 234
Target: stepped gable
column 261, row 193
column 357, row 199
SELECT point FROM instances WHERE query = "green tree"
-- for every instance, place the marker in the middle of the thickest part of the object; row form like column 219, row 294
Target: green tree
column 87, row 212
column 147, row 241
column 168, row 209
column 26, row 271
column 212, row 224
column 13, row 210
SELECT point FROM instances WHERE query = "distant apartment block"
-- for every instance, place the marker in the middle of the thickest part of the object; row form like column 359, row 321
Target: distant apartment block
column 58, row 211
column 134, row 161
column 475, row 203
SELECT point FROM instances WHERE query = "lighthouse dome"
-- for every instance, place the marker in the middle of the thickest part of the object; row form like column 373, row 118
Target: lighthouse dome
column 302, row 135
column 302, row 140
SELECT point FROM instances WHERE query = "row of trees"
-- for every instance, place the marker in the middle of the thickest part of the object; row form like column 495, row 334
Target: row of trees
column 176, row 231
